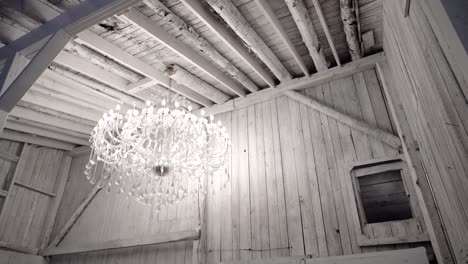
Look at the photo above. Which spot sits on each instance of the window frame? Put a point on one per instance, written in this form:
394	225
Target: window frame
363	229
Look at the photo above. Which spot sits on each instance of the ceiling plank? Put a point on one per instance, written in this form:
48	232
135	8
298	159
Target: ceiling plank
303	21
182	50
323	22
228	11
203	46
274	21
348	17
203	13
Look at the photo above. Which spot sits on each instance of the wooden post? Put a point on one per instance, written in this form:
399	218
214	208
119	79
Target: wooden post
426	200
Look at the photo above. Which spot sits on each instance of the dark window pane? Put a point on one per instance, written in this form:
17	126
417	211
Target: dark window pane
383	197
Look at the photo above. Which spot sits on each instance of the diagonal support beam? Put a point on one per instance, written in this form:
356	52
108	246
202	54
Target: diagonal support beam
72	22
125	243
377	133
71	221
33	70
157	32
11	70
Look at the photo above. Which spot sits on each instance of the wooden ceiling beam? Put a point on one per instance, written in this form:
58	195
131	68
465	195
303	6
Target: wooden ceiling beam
102	90
233	17
185	78
71	22
83	66
23	113
97	59
348	17
201	44
274	21
361	65
229	40
36	140
25	78
303	21
114	52
324	24
29	128
161	35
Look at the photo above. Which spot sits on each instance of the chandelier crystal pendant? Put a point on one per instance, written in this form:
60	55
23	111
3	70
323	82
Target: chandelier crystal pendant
159	155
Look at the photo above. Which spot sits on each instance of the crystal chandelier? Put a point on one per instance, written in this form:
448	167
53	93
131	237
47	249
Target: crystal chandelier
159	155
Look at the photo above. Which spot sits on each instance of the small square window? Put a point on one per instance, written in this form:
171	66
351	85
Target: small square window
382	194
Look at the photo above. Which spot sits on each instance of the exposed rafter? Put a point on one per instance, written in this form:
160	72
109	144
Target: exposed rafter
98	59
229	40
274	21
363	64
202	45
110	50
301	16
158	33
228	11
25	79
72	22
348	17
324	24
43	43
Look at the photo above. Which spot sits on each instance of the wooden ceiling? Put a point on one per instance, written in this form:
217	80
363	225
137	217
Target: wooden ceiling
94	72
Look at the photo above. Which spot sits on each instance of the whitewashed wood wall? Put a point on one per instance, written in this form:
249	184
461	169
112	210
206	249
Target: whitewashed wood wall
30	185
110	216
433	94
289	190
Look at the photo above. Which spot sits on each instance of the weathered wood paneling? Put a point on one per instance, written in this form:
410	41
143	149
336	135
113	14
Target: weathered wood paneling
111	216
289	192
31	192
431	93
9	257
